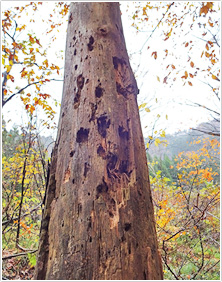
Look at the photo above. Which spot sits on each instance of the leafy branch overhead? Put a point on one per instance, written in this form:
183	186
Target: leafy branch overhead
27	68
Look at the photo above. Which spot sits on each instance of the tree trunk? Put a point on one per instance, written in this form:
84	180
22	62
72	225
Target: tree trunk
98	221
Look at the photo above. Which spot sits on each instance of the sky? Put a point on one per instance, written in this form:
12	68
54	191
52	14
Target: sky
164	100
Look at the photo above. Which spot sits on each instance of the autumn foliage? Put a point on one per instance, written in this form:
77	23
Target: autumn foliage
187	213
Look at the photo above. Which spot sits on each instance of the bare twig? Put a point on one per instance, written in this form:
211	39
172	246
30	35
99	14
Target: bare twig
20	254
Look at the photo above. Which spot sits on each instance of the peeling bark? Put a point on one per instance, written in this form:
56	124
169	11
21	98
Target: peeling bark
98	221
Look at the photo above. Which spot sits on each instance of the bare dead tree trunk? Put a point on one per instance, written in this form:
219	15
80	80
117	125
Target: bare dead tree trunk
98	221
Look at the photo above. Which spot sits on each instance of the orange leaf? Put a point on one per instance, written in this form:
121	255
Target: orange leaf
190	74
5	91
155	55
31	50
173	67
32	108
207	54
186	74
186	44
214	77
191	64
206	8
211	24
190	83
207	47
31	39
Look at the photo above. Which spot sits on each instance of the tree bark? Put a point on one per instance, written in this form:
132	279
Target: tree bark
98	221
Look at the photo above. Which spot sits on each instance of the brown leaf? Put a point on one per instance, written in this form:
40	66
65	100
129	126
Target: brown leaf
165	80
190	74
207	47
206	8
186	44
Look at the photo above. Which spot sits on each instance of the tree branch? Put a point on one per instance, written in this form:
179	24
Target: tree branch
20	254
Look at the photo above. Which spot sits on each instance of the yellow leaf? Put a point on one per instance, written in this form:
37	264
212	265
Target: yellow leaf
163	134
8	68
150	137
147	110
157	142
166	117
147	145
158	78
142	105
11	63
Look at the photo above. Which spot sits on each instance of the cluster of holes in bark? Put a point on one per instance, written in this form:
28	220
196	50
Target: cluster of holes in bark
123	133
99	91
82	135
103	30
112	207
112	169
90	44
86	169
79	209
144	275
101	188
80	84
101	152
124	90
127	226
93	114
103	124
70	18
119	66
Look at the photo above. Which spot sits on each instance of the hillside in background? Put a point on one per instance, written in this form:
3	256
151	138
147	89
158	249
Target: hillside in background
181	141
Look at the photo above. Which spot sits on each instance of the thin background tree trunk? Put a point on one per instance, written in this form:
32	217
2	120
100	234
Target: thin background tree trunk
98	221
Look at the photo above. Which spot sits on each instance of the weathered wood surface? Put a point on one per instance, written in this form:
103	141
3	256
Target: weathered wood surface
98	221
